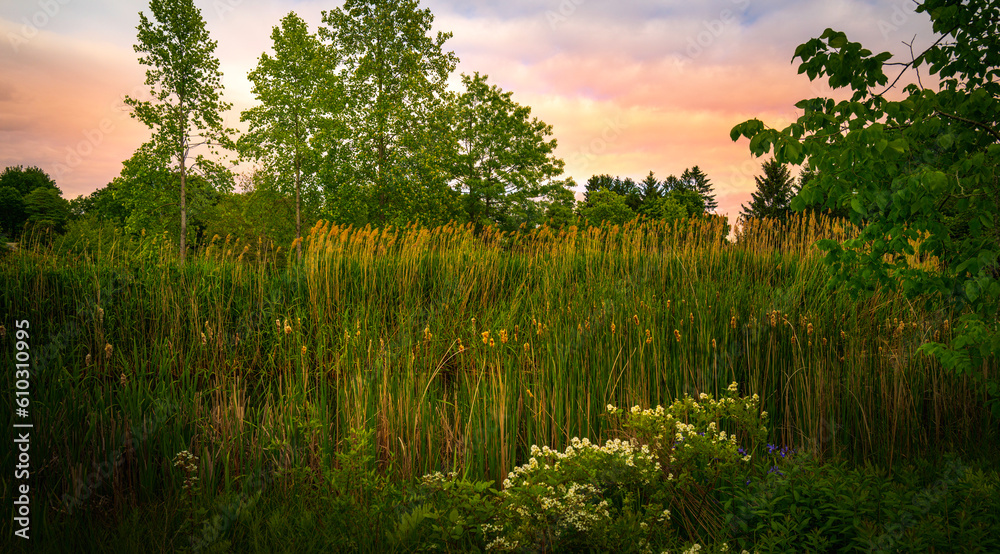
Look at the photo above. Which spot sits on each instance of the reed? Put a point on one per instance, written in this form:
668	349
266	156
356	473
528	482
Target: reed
458	350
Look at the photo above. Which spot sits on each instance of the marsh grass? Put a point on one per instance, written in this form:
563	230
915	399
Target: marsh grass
457	350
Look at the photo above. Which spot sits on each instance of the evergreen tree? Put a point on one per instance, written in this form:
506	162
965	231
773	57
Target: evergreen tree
649	193
774	193
695	179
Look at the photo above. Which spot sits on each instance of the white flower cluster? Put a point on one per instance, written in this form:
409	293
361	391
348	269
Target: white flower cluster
630	454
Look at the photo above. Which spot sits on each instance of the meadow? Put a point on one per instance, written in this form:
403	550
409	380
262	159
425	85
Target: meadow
314	395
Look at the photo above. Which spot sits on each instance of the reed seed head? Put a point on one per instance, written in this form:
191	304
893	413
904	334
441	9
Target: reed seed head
612	328
203	341
527	347
87	360
124	379
503	336
486	337
635	319
732	322
108	349
677	335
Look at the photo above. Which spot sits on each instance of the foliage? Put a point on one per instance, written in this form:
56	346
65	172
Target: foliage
272	364
47	209
919	170
16	185
694	179
392	167
606	206
280	129
186	107
504	158
449	514
773	195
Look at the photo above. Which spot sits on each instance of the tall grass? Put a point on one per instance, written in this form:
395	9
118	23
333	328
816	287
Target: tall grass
458	350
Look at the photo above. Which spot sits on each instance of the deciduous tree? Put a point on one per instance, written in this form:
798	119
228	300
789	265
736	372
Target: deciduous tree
185	84
920	169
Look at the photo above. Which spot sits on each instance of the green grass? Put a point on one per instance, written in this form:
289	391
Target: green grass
387	330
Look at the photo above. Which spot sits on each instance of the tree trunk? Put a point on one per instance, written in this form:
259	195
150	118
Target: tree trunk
298	210
183	209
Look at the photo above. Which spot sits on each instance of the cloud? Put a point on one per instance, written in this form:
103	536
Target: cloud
629	86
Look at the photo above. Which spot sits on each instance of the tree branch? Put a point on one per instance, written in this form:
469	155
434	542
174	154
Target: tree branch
984	126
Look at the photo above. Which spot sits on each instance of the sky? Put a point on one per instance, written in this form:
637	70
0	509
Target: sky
629	86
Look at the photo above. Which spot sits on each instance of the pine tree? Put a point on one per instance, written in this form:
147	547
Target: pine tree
695	179
774	193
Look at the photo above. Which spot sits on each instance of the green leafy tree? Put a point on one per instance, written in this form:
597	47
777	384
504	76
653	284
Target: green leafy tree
668	208
692	202
393	166
560	203
607	207
147	189
46	208
505	157
16	183
918	169
626	188
773	195
287	85
185	84
12	214
25	180
101	205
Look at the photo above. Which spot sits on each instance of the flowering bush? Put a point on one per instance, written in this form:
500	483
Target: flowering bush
623	492
581	497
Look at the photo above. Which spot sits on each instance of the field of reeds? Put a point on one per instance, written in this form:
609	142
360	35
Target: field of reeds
457	350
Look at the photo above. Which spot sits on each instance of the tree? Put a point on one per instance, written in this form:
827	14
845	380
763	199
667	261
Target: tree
280	128
607	206
46	208
649	192
560	203
12	214
185	84
626	188
667	208
25	180
147	189
920	169
696	180
505	158
16	183
773	195
394	163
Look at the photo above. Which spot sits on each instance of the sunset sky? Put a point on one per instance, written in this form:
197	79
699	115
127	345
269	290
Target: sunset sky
629	86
